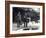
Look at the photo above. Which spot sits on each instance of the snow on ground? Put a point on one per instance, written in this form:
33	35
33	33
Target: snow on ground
30	24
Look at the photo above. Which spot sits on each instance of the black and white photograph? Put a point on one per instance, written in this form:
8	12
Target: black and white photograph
25	18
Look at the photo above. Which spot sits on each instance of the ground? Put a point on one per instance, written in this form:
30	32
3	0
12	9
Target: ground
30	25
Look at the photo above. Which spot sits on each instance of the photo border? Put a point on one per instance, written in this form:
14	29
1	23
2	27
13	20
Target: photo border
25	6
7	18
